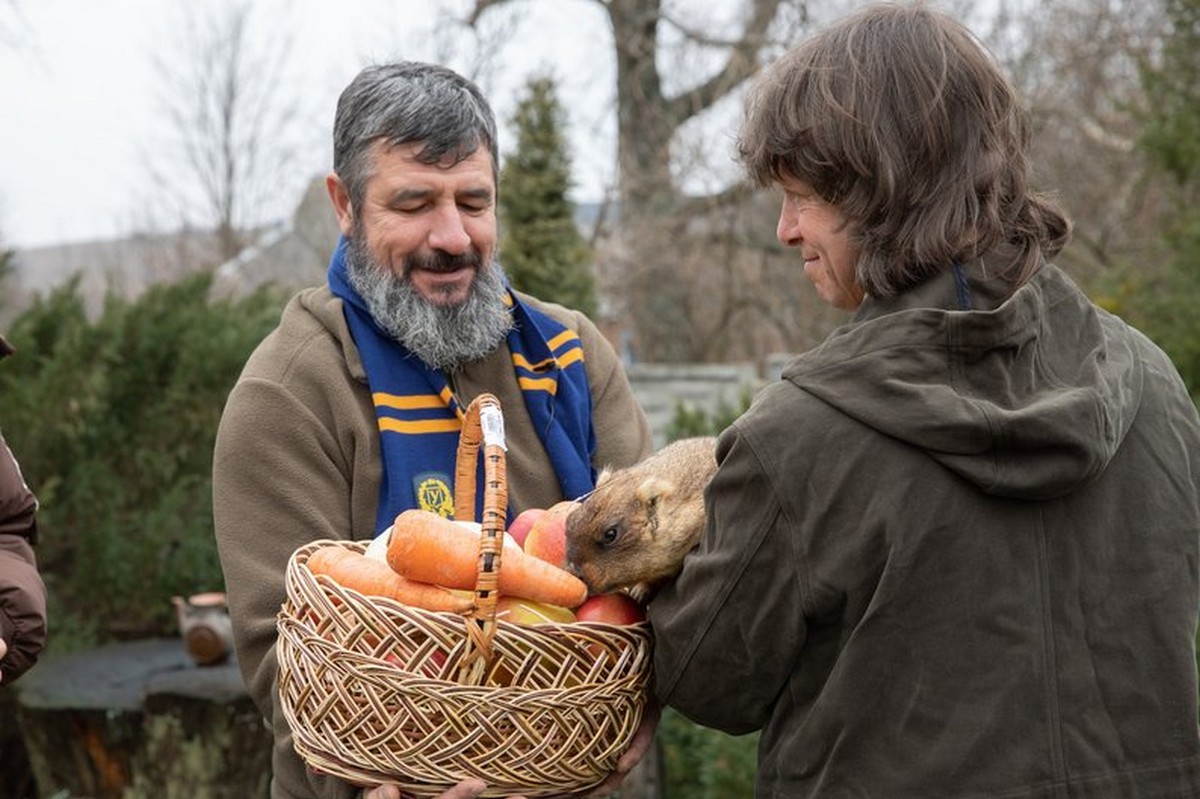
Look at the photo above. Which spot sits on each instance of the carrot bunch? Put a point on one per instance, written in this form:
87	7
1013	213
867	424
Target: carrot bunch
428	555
371	577
429	548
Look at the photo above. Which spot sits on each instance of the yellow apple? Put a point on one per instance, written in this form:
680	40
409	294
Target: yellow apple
525	611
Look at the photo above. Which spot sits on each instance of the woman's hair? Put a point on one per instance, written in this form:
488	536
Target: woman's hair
898	116
405	103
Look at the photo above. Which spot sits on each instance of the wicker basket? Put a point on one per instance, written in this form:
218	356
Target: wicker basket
377	691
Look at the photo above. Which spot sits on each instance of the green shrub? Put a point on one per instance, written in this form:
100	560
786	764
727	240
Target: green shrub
702	763
691	421
543	251
113	422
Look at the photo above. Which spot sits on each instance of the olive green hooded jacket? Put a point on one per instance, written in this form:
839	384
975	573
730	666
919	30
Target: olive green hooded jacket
953	554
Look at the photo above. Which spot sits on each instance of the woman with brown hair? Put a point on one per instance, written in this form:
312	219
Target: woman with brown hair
954	551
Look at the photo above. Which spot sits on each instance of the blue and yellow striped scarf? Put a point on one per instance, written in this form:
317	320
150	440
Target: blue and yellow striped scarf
420	419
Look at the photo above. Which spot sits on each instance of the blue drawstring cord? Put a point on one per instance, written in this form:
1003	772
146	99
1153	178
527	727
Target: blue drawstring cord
962	288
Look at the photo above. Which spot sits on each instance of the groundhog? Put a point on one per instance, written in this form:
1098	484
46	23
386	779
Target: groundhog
633	530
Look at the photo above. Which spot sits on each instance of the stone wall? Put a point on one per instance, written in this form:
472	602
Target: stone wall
663	388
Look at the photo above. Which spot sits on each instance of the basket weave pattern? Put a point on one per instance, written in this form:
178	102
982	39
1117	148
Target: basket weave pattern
377	691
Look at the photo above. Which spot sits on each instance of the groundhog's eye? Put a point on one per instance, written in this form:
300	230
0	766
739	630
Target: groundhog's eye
610	536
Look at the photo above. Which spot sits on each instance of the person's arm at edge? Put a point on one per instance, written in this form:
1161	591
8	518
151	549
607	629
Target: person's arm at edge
22	608
22	591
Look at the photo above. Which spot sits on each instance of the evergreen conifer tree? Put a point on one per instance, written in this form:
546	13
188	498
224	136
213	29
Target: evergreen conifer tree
7	269
542	250
1171	140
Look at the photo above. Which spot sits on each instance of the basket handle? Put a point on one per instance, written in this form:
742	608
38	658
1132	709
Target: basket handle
483	423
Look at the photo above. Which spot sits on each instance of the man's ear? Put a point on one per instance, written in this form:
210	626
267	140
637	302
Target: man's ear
340	198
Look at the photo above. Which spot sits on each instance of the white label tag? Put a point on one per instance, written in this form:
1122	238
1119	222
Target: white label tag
491	421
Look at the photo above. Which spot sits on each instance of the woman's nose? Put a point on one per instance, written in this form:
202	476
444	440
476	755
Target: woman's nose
786	230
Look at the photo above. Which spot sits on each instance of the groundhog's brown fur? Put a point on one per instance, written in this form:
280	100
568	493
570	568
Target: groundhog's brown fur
633	530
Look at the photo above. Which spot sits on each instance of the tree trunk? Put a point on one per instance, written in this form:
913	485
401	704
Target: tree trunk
16	779
139	720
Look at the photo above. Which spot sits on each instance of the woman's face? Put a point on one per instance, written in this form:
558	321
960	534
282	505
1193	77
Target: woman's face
821	234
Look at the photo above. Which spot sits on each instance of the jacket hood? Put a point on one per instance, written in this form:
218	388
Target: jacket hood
1026	396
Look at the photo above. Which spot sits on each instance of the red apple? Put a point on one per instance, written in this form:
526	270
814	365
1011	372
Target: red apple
615	608
547	538
523	522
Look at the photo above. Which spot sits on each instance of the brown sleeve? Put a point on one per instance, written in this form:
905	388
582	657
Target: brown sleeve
18	505
22	607
22	592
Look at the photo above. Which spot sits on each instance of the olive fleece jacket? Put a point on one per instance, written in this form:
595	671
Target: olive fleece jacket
22	592
297	458
953	553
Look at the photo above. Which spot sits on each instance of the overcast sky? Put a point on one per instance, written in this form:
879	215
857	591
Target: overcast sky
82	119
78	88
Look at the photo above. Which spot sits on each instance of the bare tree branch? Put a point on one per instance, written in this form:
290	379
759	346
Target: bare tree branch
678	300
740	64
14	29
232	121
736	193
480	7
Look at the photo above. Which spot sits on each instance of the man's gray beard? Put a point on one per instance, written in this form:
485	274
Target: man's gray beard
444	337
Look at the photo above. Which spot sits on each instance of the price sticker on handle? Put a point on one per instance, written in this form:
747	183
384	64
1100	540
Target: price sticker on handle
491	422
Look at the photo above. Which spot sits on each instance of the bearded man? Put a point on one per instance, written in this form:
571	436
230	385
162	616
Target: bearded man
349	411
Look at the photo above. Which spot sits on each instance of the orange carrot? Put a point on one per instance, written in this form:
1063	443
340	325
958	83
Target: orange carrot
351	569
429	548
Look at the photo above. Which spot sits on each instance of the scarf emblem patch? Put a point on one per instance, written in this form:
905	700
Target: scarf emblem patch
432	490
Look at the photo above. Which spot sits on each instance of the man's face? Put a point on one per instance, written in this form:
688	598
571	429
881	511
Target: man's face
432	225
421	255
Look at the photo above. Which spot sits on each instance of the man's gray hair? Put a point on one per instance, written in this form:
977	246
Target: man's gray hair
405	103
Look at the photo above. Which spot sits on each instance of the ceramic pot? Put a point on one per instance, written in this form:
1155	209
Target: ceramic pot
205	627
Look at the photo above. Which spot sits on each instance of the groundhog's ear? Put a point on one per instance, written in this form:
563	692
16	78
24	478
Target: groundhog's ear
653	489
604	475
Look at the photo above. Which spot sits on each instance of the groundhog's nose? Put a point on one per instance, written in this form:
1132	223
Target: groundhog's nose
582	573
